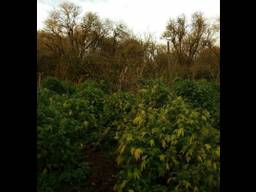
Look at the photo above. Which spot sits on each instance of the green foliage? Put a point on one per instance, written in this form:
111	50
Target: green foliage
91	92
54	181
116	108
166	136
60	141
54	84
201	94
58	86
154	93
172	148
69	87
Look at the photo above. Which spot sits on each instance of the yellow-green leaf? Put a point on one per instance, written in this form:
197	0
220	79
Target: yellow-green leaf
143	165
129	173
218	152
132	150
121	149
152	142
123	185
136	174
129	137
187	184
180	132
119	160
209	163
214	166
207	146
162	157
164	144
191	139
167	166
137	152
204	118
199	158
139	118
196	189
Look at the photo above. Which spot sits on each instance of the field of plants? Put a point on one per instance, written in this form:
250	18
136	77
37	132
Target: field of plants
159	138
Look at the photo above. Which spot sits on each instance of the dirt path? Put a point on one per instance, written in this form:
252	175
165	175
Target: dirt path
103	171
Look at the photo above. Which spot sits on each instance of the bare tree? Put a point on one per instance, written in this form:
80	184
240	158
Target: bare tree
189	39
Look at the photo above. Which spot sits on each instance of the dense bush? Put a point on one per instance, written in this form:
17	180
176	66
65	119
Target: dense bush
116	108
201	94
59	144
65	124
68	119
154	93
58	86
93	93
166	136
172	148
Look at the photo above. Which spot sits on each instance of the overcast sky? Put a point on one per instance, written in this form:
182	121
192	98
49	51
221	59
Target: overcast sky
141	16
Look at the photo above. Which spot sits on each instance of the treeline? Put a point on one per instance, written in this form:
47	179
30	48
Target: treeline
77	48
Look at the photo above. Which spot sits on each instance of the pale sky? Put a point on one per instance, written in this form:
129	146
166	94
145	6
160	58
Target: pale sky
141	16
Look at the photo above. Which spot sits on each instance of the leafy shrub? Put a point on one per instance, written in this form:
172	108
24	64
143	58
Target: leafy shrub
68	119
115	109
105	86
54	84
172	148
166	136
60	154
91	92
69	87
154	93
58	86
83	113
201	94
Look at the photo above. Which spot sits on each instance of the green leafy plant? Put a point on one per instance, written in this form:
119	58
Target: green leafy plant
165	135
58	86
201	94
91	91
60	154
116	107
172	148
154	93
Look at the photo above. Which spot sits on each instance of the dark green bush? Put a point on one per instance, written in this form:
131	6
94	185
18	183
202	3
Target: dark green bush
166	135
54	84
201	94
115	109
58	86
91	92
154	93
60	155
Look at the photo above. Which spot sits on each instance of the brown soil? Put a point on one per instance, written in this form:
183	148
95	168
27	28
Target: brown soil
103	171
